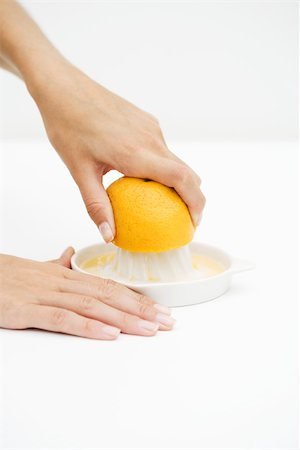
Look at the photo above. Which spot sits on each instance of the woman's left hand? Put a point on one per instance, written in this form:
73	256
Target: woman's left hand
50	296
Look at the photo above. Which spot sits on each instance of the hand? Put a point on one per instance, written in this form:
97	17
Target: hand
94	131
50	296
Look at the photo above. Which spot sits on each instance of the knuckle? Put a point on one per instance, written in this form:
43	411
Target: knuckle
129	152
58	317
64	272
86	303
186	173
142	299
162	147
144	305
153	118
93	207
61	271
181	173
87	325
157	129
152	139
60	286
108	288
144	310
125	320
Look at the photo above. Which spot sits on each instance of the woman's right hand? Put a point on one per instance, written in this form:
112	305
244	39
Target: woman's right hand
95	131
51	296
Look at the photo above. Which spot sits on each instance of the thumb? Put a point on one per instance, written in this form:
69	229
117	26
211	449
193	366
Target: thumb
97	203
65	258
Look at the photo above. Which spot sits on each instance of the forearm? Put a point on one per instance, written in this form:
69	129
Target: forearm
25	50
4	64
92	129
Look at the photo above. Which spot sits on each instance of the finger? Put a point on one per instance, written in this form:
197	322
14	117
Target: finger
64	321
97	202
121	298
187	184
92	280
171	155
65	258
176	175
113	294
91	308
177	159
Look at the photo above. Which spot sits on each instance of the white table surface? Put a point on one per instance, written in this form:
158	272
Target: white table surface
225	377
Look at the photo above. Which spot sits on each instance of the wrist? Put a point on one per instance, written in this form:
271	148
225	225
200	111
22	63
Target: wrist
42	71
53	79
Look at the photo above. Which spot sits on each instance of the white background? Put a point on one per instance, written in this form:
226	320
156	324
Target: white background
226	376
208	70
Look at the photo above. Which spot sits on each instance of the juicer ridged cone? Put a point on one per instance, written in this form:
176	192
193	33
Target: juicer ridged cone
150	267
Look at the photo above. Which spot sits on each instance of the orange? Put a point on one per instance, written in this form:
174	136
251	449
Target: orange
149	216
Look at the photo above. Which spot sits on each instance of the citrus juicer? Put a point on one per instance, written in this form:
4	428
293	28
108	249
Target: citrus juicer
187	291
152	250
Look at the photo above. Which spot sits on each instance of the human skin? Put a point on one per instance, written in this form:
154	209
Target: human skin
93	130
51	296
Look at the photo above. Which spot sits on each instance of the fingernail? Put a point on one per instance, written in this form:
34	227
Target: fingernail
148	326
106	232
111	331
165	320
162	309
197	219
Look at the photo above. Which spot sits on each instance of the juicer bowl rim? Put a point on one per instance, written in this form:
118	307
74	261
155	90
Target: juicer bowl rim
235	265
